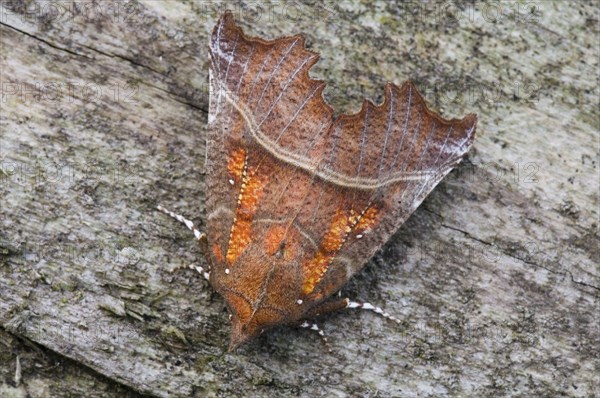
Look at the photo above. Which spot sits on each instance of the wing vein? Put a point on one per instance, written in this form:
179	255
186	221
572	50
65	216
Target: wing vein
409	187
437	174
217	67
244	71
414	140
313	141
443	146
362	143
226	85
267	58
287	83
276	69
387	132
403	131
308	98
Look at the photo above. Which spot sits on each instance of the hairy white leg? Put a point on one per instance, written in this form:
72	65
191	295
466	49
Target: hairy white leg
199	235
371	307
315	328
201	270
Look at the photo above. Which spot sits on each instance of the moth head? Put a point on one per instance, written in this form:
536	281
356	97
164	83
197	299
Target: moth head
241	333
260	286
246	322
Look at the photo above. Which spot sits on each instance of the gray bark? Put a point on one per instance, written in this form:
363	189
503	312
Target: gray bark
496	275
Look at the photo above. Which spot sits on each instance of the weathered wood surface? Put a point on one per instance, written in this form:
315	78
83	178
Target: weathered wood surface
497	274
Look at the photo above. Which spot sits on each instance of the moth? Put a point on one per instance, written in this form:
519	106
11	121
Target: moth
298	200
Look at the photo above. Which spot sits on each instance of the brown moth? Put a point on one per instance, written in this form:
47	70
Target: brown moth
299	200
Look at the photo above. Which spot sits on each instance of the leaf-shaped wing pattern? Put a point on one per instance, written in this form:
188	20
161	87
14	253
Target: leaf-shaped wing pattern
300	197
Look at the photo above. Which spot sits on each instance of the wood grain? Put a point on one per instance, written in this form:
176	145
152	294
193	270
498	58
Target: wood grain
496	275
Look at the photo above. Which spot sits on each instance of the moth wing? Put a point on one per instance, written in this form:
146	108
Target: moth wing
386	159
341	187
260	97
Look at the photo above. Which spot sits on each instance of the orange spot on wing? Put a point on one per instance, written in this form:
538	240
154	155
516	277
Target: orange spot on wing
240	238
218	254
273	239
279	239
248	199
367	221
332	242
343	223
236	163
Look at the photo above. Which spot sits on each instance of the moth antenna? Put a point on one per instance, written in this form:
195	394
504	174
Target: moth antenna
199	235
315	328
371	307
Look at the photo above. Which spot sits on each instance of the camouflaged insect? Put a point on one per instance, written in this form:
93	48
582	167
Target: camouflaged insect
299	200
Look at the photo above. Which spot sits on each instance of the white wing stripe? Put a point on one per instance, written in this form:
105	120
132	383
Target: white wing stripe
312	165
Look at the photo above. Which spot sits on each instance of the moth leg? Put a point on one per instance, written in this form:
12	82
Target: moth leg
371	307
328	306
331	306
200	269
314	327
199	235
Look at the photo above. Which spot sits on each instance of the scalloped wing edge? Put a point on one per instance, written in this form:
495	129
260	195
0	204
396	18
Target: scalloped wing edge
227	20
